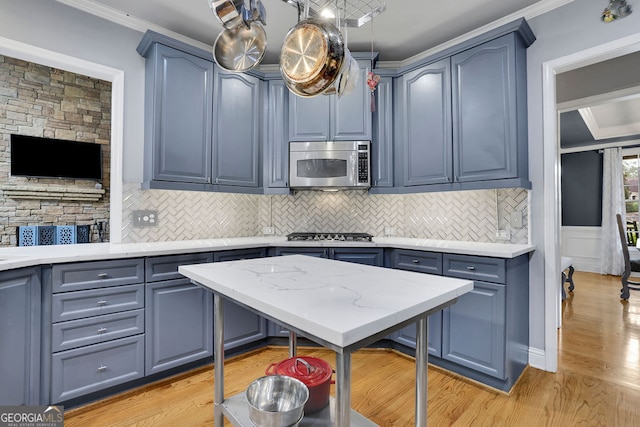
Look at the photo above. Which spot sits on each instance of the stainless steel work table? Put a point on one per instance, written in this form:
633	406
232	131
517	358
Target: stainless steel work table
339	305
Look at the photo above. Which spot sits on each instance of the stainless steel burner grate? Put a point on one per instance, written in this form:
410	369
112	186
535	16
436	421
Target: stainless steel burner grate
341	237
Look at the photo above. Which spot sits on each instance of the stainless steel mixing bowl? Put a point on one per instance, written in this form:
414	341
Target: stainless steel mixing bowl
276	401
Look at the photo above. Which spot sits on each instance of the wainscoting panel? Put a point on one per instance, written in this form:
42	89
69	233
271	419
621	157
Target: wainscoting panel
582	244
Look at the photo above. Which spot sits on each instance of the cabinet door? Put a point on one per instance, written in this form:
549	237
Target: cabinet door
473	330
179	324
277	150
351	113
20	337
182	116
407	335
309	118
367	256
485	115
425	121
236	130
382	138
241	326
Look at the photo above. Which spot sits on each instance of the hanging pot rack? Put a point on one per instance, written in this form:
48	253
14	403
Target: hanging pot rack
353	13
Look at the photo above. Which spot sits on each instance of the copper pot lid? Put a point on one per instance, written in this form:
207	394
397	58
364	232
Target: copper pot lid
304	52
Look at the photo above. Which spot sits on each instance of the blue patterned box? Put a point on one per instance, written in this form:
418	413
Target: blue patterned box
46	235
65	234
27	235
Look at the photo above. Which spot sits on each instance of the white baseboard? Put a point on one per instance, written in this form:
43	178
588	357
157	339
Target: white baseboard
537	358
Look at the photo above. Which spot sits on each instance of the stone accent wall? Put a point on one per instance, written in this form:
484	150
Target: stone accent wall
46	102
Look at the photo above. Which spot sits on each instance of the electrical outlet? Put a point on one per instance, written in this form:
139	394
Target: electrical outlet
389	231
503	234
145	218
268	230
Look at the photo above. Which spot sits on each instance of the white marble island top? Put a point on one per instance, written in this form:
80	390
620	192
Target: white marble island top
341	303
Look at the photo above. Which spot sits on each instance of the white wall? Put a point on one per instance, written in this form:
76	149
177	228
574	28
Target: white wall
569	29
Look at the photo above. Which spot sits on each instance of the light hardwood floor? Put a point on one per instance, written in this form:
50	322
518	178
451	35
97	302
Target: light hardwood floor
597	383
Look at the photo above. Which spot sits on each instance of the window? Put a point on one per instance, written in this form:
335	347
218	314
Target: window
630	167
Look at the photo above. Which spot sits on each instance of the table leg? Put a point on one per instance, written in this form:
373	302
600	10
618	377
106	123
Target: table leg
218	361
422	355
293	344
343	389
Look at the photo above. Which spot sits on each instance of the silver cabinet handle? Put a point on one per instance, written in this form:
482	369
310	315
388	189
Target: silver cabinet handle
102	330
416	261
102	302
470	268
102	368
102	275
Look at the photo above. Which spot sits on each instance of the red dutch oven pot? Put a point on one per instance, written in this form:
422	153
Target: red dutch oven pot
313	372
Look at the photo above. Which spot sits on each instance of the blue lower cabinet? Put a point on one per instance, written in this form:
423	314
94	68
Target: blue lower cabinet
484	335
77	372
20	337
179	324
407	335
474	330
241	326
367	256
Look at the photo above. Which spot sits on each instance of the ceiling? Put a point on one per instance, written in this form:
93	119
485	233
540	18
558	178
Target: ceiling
406	28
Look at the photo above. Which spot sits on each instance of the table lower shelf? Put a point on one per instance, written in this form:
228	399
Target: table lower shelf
235	408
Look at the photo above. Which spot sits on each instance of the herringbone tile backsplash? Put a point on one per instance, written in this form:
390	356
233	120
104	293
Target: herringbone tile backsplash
462	215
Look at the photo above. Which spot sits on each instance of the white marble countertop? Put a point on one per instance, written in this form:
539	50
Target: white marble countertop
338	302
25	256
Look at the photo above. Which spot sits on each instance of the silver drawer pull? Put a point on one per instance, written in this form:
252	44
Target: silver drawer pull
102	330
102	275
102	302
416	261
471	268
102	368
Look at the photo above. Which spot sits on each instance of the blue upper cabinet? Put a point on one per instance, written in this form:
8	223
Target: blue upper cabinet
460	116
237	105
382	138
327	117
489	105
179	90
276	153
309	118
202	125
424	117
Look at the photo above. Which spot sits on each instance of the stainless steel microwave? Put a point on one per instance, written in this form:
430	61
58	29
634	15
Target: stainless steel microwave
330	165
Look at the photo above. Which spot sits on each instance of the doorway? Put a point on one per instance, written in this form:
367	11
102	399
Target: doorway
551	164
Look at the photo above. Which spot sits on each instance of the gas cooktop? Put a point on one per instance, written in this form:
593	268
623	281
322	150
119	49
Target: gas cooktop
342	237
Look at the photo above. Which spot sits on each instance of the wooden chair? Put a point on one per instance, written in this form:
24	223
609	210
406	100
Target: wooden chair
630	264
566	263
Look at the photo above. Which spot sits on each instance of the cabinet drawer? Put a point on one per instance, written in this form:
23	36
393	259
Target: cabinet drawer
166	267
99	274
88	369
422	262
82	332
76	305
475	268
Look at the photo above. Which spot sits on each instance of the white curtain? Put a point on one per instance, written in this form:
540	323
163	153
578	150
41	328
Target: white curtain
612	261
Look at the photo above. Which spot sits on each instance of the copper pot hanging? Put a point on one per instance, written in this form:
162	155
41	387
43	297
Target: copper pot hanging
312	57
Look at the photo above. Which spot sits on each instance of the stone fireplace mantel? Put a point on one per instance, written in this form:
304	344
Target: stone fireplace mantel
52	192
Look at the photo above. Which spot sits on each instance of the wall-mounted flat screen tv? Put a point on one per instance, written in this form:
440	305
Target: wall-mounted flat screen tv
55	158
